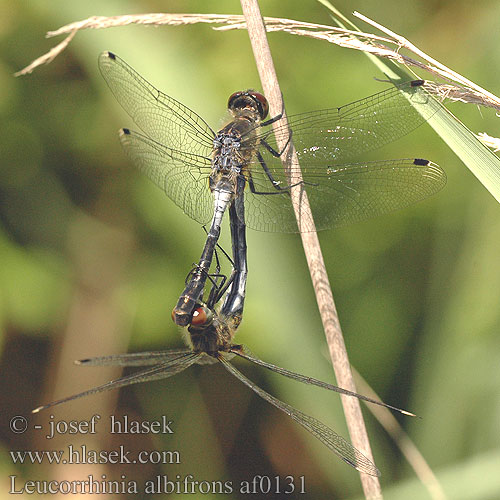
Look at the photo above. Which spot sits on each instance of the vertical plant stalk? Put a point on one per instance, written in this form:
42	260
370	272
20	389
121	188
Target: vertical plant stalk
310	242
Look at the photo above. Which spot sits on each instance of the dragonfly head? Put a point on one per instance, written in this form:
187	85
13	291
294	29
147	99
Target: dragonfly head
249	99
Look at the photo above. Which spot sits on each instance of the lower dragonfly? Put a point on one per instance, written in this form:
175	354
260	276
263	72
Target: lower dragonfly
203	171
210	338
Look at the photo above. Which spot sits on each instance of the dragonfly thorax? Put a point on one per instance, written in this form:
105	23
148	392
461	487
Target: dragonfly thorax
235	145
227	157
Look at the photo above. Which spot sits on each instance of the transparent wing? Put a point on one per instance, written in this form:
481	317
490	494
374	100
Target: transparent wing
326	141
244	352
183	176
135	358
341	195
160	371
340	135
327	436
159	116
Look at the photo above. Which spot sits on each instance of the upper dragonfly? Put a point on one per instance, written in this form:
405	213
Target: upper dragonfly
204	171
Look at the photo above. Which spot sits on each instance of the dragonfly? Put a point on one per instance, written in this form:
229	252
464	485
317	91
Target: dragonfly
210	337
204	171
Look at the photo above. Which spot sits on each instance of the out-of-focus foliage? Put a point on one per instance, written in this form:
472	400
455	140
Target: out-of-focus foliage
93	257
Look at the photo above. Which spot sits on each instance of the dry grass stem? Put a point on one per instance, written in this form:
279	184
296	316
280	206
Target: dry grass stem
312	249
49	56
367	42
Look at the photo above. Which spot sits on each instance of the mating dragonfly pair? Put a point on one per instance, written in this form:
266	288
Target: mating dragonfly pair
239	169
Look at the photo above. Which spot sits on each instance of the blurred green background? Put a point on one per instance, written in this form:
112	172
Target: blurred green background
93	258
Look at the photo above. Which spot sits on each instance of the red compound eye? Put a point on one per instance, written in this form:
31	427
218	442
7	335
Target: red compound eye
263	105
201	316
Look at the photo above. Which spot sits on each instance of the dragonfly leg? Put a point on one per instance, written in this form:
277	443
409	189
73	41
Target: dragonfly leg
275	153
279	189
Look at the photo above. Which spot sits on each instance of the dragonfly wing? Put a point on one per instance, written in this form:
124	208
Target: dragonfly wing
341	194
160	371
327	436
159	116
135	358
272	211
244	352
340	135
183	176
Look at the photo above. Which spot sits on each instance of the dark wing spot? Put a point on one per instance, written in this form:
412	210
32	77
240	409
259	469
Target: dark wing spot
420	161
